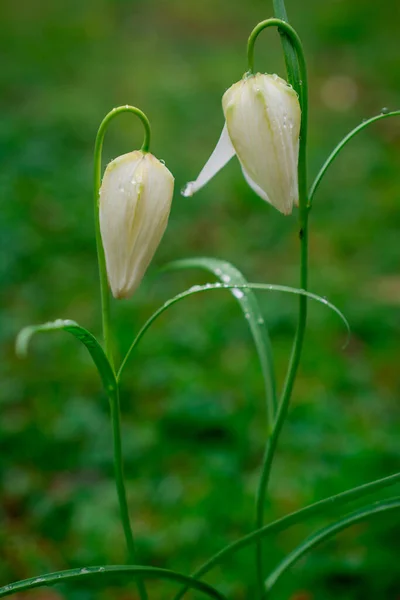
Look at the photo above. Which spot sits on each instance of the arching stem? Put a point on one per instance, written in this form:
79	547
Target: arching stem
106	322
297	75
104	289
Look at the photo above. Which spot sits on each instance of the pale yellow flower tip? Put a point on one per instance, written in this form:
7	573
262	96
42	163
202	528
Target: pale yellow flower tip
134	204
263	117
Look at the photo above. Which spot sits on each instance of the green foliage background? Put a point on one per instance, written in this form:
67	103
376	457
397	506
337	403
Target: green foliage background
192	397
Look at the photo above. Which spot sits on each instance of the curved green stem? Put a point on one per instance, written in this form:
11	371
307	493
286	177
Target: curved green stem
135	572
299	83
327	532
341	145
104	290
298	79
288	51
106	320
225	286
325	507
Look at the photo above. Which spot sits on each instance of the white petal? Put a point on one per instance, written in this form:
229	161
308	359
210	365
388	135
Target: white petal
222	154
256	188
135	201
263	119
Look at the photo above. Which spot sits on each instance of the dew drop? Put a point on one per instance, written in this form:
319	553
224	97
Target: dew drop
385	110
195	288
225	278
162	161
260	321
237	293
83	571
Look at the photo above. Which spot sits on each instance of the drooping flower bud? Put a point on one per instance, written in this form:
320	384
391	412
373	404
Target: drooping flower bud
262	128
135	201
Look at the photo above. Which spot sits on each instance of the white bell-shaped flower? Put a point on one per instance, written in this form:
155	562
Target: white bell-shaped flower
262	127
135	201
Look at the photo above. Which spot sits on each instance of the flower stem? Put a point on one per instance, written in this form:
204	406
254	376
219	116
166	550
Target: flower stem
120	485
104	290
106	322
297	75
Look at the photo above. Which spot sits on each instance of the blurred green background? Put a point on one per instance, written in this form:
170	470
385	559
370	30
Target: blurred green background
192	397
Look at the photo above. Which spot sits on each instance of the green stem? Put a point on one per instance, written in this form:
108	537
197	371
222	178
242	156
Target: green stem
120	484
327	532
106	321
89	572
335	152
322	507
297	74
288	51
104	289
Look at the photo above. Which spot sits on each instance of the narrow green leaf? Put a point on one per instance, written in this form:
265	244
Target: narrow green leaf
196	289
247	300
89	572
327	532
325	507
96	351
336	151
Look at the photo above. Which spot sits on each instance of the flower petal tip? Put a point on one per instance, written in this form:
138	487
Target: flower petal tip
189	189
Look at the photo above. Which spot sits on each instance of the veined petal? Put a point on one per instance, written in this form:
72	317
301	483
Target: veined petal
135	201
263	119
254	186
221	155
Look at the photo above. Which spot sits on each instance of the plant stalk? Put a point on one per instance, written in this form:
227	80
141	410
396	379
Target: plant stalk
106	322
297	75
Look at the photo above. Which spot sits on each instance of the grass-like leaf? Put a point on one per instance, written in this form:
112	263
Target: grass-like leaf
325	507
95	350
135	572
327	532
265	287
336	151
247	300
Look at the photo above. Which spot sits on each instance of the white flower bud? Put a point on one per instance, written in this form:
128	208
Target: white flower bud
262	128
135	201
